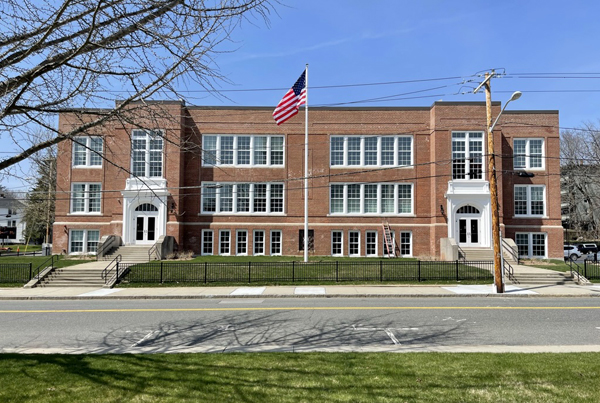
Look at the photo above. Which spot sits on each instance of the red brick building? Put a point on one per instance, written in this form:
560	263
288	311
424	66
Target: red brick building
229	181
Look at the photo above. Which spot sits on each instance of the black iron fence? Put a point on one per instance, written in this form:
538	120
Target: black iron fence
15	272
590	270
291	272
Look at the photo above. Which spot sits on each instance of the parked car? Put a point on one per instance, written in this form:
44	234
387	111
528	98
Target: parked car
572	252
586	248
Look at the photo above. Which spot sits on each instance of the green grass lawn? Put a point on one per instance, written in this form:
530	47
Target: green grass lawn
301	377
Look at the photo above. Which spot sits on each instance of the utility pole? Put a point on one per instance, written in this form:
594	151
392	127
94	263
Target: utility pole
498	280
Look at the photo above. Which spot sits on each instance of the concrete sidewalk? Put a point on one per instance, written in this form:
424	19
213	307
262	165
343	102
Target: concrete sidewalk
329	291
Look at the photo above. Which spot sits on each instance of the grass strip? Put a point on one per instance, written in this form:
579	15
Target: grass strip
301	377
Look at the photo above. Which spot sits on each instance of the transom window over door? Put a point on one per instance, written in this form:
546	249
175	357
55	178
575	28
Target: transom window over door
467	155
147	153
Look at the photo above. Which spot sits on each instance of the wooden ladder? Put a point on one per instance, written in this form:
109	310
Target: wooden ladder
391	247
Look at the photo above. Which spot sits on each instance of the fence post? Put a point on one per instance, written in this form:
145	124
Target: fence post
30	271
161	271
293	271
205	269
117	279
419	271
585	268
457	270
336	271
249	272
381	271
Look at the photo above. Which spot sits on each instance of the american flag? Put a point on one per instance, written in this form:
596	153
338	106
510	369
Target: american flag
291	101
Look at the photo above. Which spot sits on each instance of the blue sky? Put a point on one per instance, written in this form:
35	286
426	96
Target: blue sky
349	42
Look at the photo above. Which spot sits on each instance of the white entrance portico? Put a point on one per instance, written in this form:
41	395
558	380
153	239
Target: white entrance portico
469	214
144	211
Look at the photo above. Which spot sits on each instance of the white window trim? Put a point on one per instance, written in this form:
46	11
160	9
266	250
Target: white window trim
379	152
376	243
222	231
86	199
85	241
379	199
236	242
528	154
271	242
212	244
217	186
254	243
410	254
530	244
529	215
468	155
148	136
341	243
88	152
252	164
357	242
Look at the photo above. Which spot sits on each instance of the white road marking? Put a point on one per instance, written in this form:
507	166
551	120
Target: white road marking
309	290
389	333
248	291
101	292
387	330
146	337
486	289
226	327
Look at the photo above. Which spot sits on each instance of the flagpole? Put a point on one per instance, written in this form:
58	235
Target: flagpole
306	169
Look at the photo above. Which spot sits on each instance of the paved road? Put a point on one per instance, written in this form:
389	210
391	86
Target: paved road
383	324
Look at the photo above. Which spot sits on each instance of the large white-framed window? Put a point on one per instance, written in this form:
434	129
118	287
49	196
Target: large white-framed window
337	243
83	241
242	198
276	242
371	243
241	244
370	151
528	153
87	152
147	153
242	150
371	199
353	243
530	200
86	198
532	244
224	242
467	155
405	244
258	242
207	242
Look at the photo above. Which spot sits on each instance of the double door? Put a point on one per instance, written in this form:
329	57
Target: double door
145	229
468	231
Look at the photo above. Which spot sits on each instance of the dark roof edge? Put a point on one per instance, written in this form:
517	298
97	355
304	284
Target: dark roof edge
529	112
319	108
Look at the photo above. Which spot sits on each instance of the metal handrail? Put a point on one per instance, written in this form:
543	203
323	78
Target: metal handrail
108	269
153	249
43	266
461	252
102	249
579	276
511	251
510	272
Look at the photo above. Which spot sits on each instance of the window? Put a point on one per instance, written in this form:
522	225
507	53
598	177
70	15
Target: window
85	198
528	153
147	153
337	239
87	151
259	242
353	243
249	151
370	151
242	242
311	240
405	243
531	244
83	241
275	242
238	198
529	200
207	242
467	155
371	243
371	199
224	242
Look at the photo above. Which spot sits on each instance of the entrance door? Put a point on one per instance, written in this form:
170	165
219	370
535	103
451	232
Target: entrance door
468	231
145	220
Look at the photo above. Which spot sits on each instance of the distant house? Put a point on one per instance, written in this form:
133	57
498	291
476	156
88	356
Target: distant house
12	225
418	175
